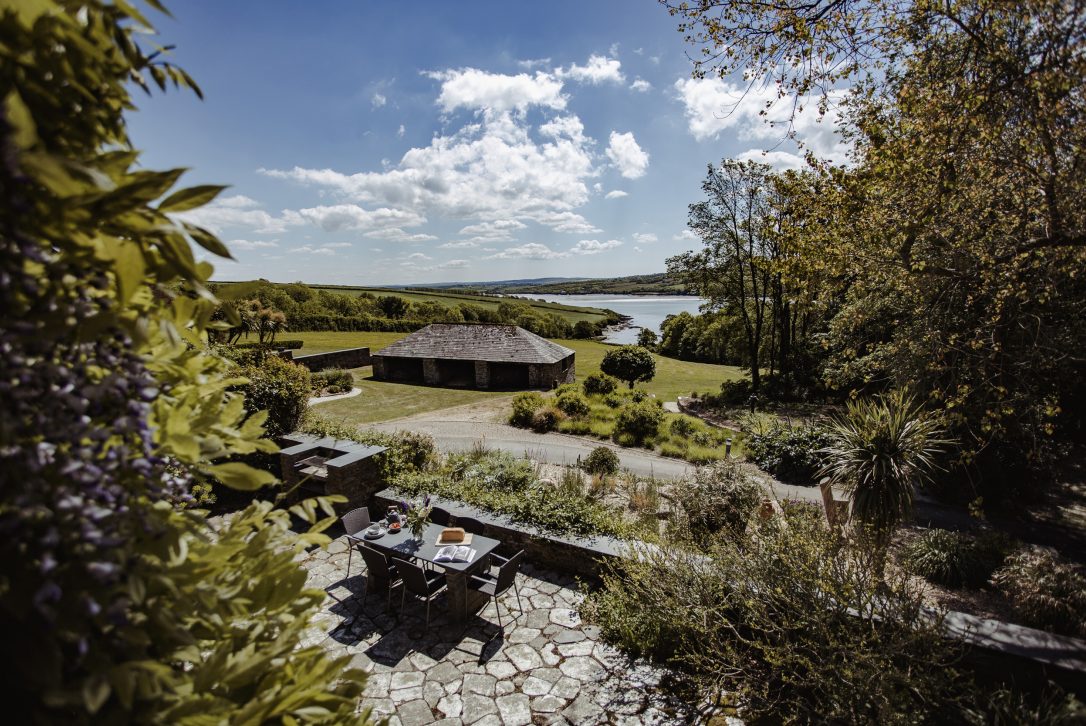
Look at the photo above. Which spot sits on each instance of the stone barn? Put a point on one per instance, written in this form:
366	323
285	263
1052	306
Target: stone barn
467	355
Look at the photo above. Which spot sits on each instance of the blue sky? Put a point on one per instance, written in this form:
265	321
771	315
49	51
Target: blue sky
378	143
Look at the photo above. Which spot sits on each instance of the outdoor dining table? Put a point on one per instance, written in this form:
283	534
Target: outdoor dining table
463	601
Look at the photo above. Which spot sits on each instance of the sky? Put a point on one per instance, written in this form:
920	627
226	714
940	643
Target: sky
378	143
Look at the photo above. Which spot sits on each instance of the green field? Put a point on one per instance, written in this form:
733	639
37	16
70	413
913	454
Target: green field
571	313
381	401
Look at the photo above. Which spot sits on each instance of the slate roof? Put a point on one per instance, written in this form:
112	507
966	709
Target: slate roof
471	341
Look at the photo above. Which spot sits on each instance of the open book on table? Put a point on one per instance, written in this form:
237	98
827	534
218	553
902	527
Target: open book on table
453	553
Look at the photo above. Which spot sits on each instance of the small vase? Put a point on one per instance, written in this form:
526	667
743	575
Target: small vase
417	528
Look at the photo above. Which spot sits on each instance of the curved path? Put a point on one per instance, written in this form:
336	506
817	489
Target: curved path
461	427
552	448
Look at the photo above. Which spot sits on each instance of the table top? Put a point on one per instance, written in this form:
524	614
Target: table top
403	543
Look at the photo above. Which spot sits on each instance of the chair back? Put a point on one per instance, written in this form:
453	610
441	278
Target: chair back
470	525
356	520
440	516
507	573
414	578
376	562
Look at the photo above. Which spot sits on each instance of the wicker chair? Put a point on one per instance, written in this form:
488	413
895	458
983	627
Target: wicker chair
420	583
381	571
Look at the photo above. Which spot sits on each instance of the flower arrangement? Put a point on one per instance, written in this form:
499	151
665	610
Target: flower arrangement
417	514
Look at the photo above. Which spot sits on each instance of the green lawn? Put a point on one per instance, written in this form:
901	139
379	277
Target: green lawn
381	401
571	313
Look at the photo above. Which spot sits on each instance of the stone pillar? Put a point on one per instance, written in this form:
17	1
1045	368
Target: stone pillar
482	374
535	375
429	372
379	369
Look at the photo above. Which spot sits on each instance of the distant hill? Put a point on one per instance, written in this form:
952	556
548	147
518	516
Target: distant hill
656	284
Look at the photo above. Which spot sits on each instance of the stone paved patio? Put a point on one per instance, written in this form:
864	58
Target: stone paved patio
547	668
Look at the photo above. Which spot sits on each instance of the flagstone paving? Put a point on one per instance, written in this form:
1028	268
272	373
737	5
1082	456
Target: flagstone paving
547	668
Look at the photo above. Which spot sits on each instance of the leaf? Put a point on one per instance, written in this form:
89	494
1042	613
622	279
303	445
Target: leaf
19	116
240	476
129	267
208	241
96	692
190	198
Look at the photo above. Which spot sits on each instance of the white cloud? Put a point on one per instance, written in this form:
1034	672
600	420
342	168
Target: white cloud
498	230
336	217
378	100
310	250
640	85
235	211
533	63
644	237
599	69
566	222
419	257
478	90
395	234
630	160
594	247
616	194
453	265
245	244
713	106
337	245
778	159
461	245
686	236
401	131
529	251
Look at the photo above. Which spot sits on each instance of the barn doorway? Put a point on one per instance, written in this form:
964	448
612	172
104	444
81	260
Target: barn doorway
404	370
508	376
456	373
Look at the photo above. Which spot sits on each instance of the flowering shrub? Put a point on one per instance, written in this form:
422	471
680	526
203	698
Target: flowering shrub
120	601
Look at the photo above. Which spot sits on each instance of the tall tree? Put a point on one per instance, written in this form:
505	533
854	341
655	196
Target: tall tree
735	225
959	232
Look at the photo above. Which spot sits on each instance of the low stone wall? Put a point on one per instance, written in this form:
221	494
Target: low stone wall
347	358
995	646
582	556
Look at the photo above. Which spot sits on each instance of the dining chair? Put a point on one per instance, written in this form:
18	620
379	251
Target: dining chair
470	525
420	583
381	571
494	586
354	521
440	516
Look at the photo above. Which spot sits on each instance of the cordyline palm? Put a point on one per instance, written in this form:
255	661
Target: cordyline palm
879	452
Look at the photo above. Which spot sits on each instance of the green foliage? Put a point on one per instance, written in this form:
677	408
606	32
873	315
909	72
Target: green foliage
955	559
614	400
789	452
647	338
683	426
407	451
279	387
573	404
499	483
547	419
122	603
717	501
1045	591
332	380
585	329
599	384
524	407
629	363
601	460
639	420
794	623
879	452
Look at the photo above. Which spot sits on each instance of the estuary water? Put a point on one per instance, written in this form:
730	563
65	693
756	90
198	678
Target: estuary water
645	311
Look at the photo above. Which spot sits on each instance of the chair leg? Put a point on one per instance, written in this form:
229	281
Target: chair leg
350	554
498	610
516	589
403	594
427	613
